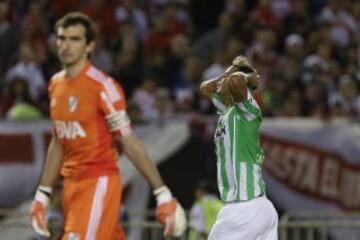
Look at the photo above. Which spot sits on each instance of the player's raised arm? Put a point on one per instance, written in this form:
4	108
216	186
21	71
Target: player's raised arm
208	87
237	85
239	80
211	86
169	212
42	196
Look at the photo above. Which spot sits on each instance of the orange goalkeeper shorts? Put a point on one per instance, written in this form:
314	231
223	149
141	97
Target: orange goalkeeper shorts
92	208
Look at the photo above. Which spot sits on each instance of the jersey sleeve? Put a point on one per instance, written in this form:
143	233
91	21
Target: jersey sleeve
112	101
116	100
249	107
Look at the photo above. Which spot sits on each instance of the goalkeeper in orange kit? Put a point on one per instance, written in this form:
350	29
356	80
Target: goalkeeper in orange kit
88	112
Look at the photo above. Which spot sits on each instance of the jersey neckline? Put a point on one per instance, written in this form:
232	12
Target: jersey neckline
82	72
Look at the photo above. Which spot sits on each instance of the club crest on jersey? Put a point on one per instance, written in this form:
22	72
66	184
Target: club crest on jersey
73	102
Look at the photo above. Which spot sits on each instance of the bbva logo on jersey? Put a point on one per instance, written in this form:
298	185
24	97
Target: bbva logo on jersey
69	129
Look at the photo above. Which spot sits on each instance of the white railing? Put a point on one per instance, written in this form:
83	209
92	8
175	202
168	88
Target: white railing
18	226
293	225
319	225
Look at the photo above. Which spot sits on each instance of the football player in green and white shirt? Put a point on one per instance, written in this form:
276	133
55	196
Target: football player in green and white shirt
248	214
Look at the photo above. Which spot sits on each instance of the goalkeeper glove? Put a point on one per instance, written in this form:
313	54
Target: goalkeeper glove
38	210
169	212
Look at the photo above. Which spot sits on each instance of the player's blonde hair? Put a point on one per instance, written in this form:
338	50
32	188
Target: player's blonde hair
243	64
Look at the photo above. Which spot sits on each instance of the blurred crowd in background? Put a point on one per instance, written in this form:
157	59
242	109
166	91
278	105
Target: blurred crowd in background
306	51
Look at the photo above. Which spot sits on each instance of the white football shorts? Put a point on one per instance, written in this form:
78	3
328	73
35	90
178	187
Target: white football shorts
255	219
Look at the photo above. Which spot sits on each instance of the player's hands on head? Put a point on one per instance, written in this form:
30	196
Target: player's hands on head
242	64
169	212
222	87
38	210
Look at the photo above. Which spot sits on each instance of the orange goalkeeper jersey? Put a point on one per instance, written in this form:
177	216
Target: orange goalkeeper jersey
78	116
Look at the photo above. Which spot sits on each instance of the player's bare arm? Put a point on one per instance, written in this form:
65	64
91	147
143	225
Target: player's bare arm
137	154
241	77
53	163
208	87
168	212
42	197
237	86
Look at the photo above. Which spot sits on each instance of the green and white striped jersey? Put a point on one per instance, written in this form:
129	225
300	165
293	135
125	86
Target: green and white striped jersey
239	154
